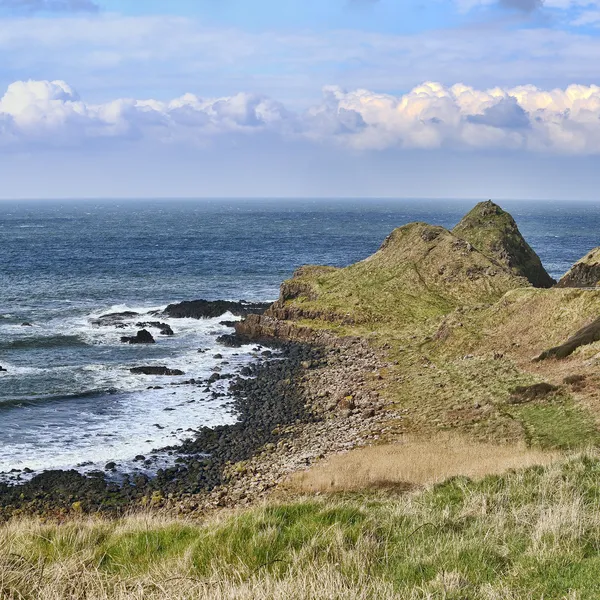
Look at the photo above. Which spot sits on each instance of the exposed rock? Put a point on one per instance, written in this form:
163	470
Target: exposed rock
156	371
577	382
26	324
3	370
528	393
585	336
206	309
230	340
114	319
585	273
494	232
142	337
164	328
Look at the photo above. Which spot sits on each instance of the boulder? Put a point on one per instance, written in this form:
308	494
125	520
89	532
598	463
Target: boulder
585	273
494	232
142	337
3	370
156	371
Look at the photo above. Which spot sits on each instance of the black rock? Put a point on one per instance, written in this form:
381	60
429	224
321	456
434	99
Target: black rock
114	319
26	324
142	337
206	309
230	340
164	328
2	370
155	371
111	466
217	356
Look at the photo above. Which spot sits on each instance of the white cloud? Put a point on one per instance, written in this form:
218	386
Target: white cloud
430	116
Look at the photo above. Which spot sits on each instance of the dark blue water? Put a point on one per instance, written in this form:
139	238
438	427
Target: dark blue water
68	390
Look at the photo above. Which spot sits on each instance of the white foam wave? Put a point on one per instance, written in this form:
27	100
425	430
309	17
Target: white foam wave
136	419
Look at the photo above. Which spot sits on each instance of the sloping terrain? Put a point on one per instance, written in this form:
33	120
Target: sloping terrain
459	331
420	271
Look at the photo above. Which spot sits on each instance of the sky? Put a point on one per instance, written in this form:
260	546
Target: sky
301	98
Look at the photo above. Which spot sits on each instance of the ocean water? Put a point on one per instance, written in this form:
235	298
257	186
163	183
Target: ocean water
68	397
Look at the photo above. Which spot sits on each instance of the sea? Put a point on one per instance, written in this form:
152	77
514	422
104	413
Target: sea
67	397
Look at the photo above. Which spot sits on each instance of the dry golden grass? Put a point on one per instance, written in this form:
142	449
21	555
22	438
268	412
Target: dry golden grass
414	463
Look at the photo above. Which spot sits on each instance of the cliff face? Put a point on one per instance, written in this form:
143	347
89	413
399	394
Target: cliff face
494	232
585	273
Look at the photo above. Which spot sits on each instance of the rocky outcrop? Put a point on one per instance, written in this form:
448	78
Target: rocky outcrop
142	337
585	336
156	371
585	273
3	370
207	309
494	232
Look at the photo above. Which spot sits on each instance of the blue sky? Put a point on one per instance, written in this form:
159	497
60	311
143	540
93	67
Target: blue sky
451	98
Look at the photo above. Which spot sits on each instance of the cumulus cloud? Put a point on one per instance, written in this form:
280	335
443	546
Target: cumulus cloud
430	116
32	6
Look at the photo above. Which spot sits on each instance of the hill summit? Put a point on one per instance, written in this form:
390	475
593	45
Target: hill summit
494	232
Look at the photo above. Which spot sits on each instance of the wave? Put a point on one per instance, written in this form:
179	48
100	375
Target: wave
28	401
52	341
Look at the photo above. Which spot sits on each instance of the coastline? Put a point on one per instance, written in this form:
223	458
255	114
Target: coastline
295	407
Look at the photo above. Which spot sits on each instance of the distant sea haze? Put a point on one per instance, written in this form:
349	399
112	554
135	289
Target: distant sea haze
68	397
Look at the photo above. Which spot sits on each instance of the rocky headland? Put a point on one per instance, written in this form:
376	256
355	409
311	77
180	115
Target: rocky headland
439	330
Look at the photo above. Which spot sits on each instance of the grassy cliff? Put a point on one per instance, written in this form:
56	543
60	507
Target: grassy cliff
420	272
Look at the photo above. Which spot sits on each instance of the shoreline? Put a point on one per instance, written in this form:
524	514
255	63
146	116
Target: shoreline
276	409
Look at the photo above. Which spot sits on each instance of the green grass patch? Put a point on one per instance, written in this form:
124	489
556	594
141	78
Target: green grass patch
561	425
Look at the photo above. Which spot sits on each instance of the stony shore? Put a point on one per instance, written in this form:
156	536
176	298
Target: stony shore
313	398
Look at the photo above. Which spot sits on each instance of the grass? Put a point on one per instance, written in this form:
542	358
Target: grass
531	533
420	272
413	463
561	425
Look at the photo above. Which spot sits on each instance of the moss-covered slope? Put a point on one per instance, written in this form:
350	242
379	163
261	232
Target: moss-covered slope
494	232
585	273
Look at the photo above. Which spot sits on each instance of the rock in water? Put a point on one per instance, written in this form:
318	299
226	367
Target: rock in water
206	309
165	329
2	370
585	273
142	337
156	371
494	232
